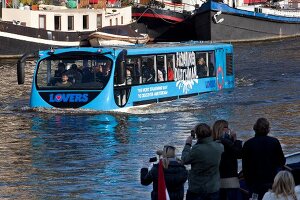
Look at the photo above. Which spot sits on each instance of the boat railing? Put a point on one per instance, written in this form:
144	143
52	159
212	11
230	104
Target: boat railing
286	13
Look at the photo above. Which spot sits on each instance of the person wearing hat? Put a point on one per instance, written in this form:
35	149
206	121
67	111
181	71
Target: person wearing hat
175	175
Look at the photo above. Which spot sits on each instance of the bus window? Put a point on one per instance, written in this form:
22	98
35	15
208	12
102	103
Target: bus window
148	71
161	68
73	73
211	64
133	68
201	64
170	66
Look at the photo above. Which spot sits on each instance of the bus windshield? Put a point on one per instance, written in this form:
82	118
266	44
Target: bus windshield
73	72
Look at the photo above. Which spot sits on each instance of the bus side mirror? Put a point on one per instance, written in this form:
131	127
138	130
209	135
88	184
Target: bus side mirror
121	67
21	67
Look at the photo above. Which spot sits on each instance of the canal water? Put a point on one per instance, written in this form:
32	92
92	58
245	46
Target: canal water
57	154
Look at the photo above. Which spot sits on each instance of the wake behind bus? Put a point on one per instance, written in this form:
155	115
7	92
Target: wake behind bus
116	77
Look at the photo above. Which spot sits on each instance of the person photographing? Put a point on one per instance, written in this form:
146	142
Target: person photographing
174	175
204	158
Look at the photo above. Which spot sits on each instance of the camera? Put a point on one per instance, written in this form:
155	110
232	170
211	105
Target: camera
226	135
153	159
193	134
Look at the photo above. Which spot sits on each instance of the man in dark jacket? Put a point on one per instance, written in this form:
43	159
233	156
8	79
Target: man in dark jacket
174	172
262	158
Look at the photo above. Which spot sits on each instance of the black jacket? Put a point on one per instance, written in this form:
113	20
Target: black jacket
175	177
232	152
262	158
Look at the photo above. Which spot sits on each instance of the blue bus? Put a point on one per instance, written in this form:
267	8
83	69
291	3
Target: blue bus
111	78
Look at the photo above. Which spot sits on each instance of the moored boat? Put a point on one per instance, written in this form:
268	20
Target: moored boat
114	35
166	20
221	22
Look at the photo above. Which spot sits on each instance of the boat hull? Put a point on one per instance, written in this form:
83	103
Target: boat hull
163	25
237	25
16	40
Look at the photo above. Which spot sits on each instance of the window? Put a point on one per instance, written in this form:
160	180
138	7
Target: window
110	22
122	20
161	68
229	64
42	21
74	73
99	21
70	23
133	70
117	21
85	23
57	22
148	70
205	64
170	67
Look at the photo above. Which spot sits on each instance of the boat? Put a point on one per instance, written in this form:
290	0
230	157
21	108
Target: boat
117	78
166	20
238	23
25	30
117	35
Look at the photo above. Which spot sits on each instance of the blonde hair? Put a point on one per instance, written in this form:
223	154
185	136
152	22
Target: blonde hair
168	152
284	185
218	129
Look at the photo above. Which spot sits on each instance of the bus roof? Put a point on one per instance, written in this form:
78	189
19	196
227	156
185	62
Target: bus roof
165	46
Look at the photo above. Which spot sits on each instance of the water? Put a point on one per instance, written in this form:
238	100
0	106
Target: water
74	154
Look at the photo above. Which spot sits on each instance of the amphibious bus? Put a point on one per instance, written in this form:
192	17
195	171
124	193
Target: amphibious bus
114	77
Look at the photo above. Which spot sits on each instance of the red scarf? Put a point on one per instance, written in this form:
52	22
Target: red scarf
162	189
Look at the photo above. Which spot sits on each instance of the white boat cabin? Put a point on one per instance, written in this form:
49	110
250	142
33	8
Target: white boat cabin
59	18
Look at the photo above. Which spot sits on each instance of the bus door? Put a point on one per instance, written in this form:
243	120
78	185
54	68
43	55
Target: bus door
220	68
126	75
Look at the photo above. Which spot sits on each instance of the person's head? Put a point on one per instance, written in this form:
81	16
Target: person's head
261	126
202	130
128	73
64	77
74	66
61	66
219	128
284	184
160	76
167	153
201	61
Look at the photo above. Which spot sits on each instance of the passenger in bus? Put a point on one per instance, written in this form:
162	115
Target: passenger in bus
148	73
170	72
64	82
128	77
201	68
160	76
87	75
61	68
75	74
211	69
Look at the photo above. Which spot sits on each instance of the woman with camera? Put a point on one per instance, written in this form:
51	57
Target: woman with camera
175	175
204	158
229	183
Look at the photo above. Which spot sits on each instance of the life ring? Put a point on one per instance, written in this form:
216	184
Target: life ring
220	78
